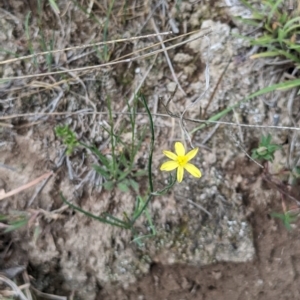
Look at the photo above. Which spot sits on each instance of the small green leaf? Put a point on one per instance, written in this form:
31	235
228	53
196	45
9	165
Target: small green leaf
3	218
247	4
289	23
101	171
16	225
54	6
108	185
102	158
134	184
123	187
278	216
250	22
140	173
68	137
265	150
286	218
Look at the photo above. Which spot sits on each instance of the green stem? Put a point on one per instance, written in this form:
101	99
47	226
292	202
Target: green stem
280	86
117	223
149	161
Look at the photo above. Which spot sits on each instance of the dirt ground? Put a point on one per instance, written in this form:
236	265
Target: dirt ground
62	252
274	273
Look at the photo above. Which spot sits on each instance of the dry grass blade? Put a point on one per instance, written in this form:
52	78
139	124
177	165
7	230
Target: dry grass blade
82	47
47	296
200	207
136	90
112	63
13	286
167	57
207	81
201	121
4	195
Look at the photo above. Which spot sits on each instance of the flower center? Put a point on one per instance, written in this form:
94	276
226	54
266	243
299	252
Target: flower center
182	160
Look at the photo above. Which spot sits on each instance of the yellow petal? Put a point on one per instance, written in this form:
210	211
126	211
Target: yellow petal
169	165
179	149
170	155
193	170
180	172
191	154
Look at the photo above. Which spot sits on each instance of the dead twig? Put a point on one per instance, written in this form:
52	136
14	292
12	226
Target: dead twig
167	56
81	47
4	195
207	80
118	61
47	296
201	121
38	190
17	291
200	207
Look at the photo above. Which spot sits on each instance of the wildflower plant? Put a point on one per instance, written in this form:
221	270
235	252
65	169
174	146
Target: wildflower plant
117	169
287	218
276	38
265	150
110	167
68	137
180	161
278	27
14	221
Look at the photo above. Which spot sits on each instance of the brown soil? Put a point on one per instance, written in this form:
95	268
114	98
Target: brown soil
274	274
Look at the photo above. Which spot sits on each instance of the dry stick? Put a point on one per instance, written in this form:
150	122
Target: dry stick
266	178
17	21
149	17
27	285
87	99
167	57
106	64
290	103
69	167
239	127
13	286
4	195
238	142
81	55
47	296
124	40
88	112
38	190
89	9
211	133
83	46
136	91
200	207
37	84
215	89
155	107
6	125
199	98
245	152
51	107
172	22
292	144
271	82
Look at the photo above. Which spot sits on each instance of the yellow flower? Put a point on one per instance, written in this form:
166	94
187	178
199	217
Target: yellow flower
180	161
